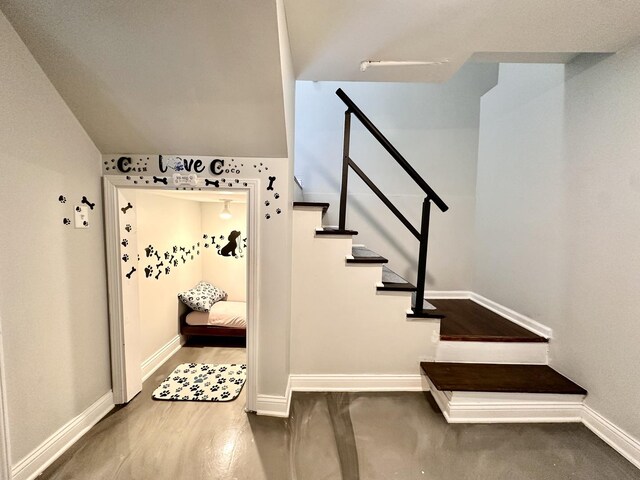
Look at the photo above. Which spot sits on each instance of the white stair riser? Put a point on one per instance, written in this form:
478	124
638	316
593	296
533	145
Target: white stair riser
493	407
492	352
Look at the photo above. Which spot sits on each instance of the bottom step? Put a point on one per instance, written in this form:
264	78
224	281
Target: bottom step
488	393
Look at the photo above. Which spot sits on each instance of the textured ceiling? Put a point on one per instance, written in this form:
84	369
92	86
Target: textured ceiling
163	76
330	38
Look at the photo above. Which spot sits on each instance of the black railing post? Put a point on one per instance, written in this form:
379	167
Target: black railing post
345	170
422	256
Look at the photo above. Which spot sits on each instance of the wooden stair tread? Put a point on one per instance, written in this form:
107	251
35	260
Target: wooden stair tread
507	378
468	321
335	231
324	206
392	282
426	313
364	255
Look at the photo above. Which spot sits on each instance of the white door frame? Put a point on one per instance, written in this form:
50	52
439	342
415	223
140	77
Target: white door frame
5	451
111	184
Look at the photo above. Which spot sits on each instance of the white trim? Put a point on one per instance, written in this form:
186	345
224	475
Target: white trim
164	353
356	383
614	436
511	315
253	289
274	405
48	452
114	290
116	318
517	318
5	445
461	407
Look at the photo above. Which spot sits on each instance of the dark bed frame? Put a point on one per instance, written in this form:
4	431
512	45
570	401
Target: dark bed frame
209	331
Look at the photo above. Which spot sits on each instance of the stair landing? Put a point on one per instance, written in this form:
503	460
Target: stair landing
465	320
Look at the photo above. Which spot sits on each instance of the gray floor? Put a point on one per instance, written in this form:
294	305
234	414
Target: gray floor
329	436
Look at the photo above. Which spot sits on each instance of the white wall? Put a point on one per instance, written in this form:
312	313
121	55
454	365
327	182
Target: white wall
52	282
520	193
557	209
435	127
340	324
164	222
228	273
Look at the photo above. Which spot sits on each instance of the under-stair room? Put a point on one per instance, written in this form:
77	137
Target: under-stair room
189	250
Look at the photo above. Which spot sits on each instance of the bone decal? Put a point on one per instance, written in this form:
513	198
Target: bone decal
158	274
271	180
87	202
160	180
124	209
159	265
133	269
215	183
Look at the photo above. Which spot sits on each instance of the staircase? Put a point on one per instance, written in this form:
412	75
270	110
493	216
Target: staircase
484	368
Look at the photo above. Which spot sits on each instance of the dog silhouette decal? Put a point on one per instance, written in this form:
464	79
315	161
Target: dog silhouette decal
229	250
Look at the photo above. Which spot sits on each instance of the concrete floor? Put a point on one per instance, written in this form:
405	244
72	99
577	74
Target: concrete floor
347	436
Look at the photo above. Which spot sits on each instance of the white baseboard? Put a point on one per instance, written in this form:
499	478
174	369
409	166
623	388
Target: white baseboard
155	361
279	406
356	383
615	437
522	320
48	452
273	405
515	317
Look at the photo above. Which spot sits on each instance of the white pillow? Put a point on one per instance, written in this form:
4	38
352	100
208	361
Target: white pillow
202	296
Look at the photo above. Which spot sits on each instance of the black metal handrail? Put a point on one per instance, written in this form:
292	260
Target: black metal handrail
368	124
423	234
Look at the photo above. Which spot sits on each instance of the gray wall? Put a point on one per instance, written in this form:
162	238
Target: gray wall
435	127
52	276
557	217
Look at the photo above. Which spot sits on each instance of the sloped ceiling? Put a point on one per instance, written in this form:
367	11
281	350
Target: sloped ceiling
163	76
330	38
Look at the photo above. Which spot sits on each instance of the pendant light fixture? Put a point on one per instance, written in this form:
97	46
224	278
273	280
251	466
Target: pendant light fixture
225	214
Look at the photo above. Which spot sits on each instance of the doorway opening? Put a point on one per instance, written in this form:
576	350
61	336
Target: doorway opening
182	286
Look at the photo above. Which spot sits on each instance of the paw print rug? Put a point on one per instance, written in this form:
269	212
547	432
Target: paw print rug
204	382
